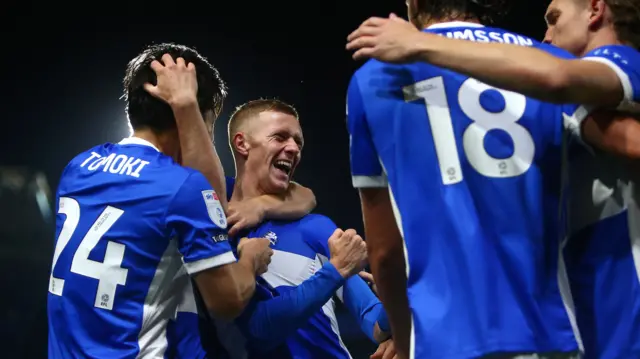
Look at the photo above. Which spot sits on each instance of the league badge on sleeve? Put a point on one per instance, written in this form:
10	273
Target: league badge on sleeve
214	208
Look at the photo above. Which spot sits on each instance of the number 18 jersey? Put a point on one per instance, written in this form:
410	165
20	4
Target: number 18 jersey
128	219
475	178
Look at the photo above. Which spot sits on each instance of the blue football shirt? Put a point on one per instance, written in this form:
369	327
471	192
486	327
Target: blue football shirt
128	219
475	178
603	250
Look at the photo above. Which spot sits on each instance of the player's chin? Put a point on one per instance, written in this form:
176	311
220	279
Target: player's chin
278	185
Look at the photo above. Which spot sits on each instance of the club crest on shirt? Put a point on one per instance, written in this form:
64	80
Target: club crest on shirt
272	237
214	208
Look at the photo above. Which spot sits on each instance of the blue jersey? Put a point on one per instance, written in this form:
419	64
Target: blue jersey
128	218
300	250
474	174
602	253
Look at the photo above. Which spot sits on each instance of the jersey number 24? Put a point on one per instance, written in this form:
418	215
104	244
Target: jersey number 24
109	273
432	91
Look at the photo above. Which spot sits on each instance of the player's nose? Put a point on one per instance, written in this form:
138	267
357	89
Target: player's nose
547	36
291	147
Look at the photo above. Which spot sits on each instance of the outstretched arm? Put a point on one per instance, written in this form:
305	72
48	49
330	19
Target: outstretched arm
522	69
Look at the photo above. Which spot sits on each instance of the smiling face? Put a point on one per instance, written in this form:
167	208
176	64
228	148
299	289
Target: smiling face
273	150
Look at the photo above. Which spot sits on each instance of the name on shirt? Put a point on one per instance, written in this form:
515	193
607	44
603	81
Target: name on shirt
480	35
115	163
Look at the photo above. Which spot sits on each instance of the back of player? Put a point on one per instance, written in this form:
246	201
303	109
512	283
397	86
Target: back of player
126	215
474	172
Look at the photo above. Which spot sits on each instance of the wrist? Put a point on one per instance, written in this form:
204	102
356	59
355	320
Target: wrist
247	262
344	272
423	46
181	105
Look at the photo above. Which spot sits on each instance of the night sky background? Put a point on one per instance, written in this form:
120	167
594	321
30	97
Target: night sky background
61	72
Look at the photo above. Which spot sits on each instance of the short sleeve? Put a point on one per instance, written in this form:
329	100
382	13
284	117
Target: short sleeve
316	230
366	170
625	61
197	219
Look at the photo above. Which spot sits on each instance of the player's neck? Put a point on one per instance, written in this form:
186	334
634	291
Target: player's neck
433	21
245	187
166	142
602	37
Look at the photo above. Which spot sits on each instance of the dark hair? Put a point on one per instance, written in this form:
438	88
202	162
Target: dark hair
487	11
145	110
254	108
626	20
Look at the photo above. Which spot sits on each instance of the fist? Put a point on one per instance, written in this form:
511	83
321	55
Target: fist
348	252
258	251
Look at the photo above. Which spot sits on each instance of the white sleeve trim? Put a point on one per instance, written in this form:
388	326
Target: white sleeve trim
369	181
208	263
624	78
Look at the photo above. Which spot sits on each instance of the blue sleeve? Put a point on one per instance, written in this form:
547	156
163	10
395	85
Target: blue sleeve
366	170
364	306
267	323
231	182
625	61
316	230
197	219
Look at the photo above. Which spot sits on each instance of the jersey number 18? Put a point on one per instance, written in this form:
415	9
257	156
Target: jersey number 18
432	91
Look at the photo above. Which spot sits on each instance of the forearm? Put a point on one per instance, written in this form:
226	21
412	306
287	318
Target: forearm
290	310
525	70
197	149
298	202
618	134
227	290
363	305
389	273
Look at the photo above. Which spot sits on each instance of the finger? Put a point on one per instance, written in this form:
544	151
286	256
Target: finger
374	21
151	89
156	66
167	60
233	218
366	276
361	42
364	31
180	62
393	16
233	231
378	353
389	353
191	67
363	54
350	233
337	233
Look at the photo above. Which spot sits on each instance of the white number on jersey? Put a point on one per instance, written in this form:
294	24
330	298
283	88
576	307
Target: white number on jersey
432	91
109	273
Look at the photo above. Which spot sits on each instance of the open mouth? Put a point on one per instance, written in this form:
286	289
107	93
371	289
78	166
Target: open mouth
284	166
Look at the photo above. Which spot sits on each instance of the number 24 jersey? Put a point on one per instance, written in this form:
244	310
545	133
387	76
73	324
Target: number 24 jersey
128	219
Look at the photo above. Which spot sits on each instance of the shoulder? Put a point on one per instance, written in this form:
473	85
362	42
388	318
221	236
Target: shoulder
316	221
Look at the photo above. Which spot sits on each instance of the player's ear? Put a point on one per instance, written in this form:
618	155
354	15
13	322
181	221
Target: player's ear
596	12
240	144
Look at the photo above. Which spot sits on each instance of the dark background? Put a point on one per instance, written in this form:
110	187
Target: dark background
60	79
